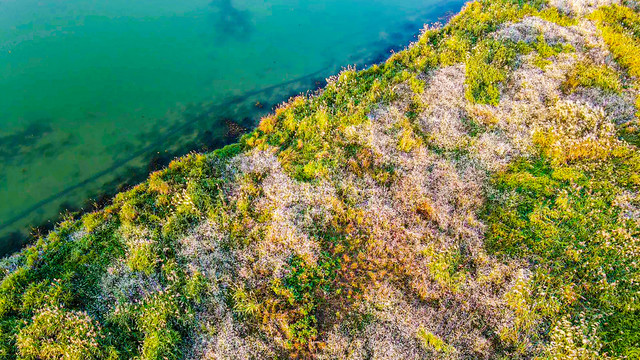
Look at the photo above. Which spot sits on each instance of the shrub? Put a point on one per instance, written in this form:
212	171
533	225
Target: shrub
454	50
619	26
196	287
11	289
486	69
158	319
587	74
553	15
57	333
546	51
40	295
565	221
433	342
142	257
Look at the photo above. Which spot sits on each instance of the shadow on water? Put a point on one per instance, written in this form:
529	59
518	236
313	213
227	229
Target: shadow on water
231	22
35	141
21	142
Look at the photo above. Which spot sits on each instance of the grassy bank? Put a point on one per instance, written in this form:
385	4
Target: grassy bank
475	196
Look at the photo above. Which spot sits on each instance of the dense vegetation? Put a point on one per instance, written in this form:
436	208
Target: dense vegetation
475	196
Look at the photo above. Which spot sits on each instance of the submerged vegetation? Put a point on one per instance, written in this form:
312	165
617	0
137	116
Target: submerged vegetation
475	196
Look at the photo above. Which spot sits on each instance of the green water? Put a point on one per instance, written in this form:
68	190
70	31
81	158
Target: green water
94	94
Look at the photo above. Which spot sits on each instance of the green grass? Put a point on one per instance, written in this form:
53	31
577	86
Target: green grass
620	29
565	222
487	68
590	75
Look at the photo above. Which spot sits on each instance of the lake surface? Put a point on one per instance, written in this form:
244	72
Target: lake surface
95	94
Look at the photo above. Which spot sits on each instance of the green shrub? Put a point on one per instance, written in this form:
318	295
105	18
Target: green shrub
479	18
299	297
563	220
487	68
454	50
619	26
589	75
196	287
56	333
553	15
546	51
433	342
11	290
158	321
622	335
45	293
142	257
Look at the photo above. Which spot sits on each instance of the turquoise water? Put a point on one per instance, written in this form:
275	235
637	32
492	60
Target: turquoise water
95	94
